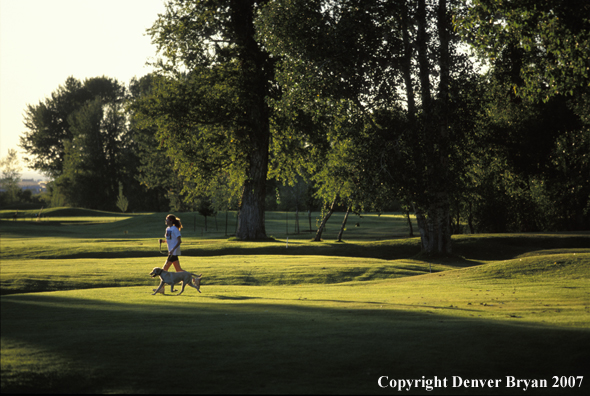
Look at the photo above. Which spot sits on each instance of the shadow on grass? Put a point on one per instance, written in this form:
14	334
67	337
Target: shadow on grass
508	246
467	249
453	260
235	298
93	346
387	251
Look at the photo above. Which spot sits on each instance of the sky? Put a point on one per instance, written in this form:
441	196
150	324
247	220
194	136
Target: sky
43	42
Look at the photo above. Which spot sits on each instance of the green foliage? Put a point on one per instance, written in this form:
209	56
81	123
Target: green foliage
359	103
535	160
10	177
297	196
205	209
341	66
155	171
549	42
122	201
48	127
209	103
79	136
49	123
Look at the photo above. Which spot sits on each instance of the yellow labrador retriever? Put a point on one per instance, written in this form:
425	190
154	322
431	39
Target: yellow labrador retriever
171	278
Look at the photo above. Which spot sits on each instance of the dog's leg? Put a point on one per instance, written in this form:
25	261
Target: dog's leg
181	290
191	285
174	282
159	287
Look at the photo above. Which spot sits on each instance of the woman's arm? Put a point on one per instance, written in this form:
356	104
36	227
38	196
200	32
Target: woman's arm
177	245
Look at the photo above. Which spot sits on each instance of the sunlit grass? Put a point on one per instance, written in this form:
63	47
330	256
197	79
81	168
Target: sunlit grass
255	270
278	224
277	317
336	336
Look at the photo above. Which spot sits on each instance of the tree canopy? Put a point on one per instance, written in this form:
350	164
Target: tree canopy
210	100
547	42
79	137
364	103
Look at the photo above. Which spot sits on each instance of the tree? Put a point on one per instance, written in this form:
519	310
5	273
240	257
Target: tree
86	179
122	201
532	175
538	100
81	136
549	40
48	124
48	127
93	166
380	57
205	209
158	181
347	176
11	169
210	102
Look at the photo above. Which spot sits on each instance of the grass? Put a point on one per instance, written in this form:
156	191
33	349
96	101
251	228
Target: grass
278	224
78	316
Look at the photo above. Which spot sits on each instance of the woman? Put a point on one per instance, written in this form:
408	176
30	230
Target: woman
173	240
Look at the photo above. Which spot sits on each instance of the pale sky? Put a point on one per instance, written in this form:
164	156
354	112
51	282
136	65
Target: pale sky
43	42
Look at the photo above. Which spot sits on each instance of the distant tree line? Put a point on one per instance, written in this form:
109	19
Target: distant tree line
476	118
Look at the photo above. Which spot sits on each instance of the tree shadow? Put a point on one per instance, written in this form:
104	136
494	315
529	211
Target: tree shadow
275	347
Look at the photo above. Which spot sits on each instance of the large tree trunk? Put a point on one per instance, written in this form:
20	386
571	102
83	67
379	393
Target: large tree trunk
435	224
423	64
406	66
435	227
251	219
443	207
255	66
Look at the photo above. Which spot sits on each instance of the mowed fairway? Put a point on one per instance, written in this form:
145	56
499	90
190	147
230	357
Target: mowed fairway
78	314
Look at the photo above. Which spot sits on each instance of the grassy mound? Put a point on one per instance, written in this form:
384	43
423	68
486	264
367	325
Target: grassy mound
563	265
78	315
59	212
338	337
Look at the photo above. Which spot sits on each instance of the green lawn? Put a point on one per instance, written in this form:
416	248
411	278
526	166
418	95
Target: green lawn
78	314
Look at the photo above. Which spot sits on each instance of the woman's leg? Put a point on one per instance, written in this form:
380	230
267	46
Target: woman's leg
167	265
177	266
173	260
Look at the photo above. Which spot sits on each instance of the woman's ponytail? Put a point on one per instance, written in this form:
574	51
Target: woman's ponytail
175	220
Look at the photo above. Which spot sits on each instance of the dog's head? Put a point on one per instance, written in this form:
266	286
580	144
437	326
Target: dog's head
156	272
197	282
